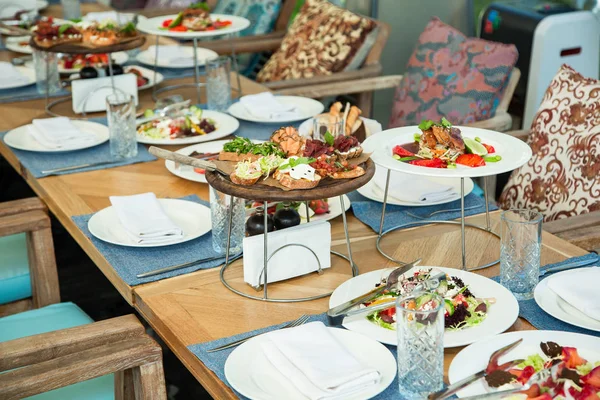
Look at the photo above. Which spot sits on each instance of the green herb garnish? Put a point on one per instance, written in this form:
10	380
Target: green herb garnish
329	139
128	28
244	145
426	124
200	6
63	28
445	123
294	162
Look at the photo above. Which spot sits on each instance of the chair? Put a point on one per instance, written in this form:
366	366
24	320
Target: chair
55	350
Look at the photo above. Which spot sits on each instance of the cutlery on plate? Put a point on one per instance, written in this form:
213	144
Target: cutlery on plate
163	112
572	265
18	61
186	160
301	320
336	314
16	30
439	212
51	171
187	264
492	366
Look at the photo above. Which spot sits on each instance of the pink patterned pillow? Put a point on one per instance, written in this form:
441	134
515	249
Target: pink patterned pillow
454	76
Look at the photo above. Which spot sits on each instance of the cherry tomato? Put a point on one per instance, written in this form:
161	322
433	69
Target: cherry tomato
221	24
470	160
401	151
200	171
179	28
490	149
166	23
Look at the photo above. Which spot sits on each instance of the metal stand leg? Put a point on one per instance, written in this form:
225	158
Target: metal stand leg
266	253
112	76
236	68
354	268
462	223
229	228
385	195
196	72
307	212
155	67
487	206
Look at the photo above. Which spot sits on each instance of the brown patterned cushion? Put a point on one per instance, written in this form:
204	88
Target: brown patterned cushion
323	39
562	178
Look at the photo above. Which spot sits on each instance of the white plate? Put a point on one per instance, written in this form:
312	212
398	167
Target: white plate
119	57
372	192
335	210
152	26
192	217
13	43
146	73
475	357
308	108
551	303
147	57
28	73
514	152
501	315
249	371
225	125
19	138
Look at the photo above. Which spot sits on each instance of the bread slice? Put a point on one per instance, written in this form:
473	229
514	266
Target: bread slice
353	173
286	180
352	153
47	43
242	181
237	157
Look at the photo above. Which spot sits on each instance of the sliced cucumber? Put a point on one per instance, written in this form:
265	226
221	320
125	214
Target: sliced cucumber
448	306
421	300
475	147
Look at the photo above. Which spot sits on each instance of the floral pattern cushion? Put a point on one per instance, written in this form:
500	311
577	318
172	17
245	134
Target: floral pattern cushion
454	76
562	179
322	40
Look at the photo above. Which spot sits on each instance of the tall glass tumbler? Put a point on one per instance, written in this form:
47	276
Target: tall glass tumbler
520	247
120	112
47	78
420	329
218	83
219	211
327	123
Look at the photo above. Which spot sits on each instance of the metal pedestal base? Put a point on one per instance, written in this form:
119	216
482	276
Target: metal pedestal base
462	224
265	296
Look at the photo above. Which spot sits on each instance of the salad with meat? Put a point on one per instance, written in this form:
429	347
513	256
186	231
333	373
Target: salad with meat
187	123
461	308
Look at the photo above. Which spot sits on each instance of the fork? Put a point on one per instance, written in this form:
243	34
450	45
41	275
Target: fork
439	212
297	322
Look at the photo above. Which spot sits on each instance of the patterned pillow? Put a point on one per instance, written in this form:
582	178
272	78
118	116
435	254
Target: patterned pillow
454	76
562	178
322	40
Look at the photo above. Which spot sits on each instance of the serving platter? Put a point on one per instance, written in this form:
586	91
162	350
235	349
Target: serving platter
79	48
152	26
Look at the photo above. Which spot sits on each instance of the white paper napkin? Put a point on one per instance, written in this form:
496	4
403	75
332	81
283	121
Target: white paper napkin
293	260
266	106
59	133
579	288
120	18
144	219
316	363
411	188
172	55
9	75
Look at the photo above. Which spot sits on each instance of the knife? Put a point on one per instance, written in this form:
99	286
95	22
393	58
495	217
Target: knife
565	267
186	160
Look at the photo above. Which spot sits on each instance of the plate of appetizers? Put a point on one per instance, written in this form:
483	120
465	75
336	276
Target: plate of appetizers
318	210
193	22
476	307
144	76
186	126
442	150
74	63
19	44
573	361
302	107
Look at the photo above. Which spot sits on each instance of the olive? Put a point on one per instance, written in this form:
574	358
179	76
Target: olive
116	70
88	73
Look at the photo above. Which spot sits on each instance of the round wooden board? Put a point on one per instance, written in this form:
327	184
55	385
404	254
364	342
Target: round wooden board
78	48
327	187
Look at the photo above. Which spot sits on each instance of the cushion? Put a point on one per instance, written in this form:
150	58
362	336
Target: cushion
261	13
51	318
561	179
15	283
322	40
454	76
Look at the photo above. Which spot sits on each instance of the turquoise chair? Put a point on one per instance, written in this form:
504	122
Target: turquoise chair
55	350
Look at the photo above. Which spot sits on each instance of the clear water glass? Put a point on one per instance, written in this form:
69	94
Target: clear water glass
71	9
420	347
327	123
520	248
218	83
46	71
219	211
120	112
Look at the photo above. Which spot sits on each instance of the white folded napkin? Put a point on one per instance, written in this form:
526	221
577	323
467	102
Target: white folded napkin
316	363
411	188
293	260
173	55
266	106
10	75
59	133
579	288
120	18
144	219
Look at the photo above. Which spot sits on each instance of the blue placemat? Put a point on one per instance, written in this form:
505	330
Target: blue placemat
256	131
130	261
530	311
26	93
36	162
369	211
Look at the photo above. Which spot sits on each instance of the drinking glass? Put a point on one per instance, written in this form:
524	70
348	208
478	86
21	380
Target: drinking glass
71	9
219	211
420	345
327	123
520	246
46	71
120	112
218	83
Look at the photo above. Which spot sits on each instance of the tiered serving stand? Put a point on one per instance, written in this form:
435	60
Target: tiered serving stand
327	188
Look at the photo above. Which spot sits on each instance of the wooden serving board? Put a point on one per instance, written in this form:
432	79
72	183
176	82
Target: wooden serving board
327	187
80	48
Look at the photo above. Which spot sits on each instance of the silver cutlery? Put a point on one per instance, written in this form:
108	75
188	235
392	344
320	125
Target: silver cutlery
51	171
186	160
301	320
439	212
492	365
184	265
565	267
336	314
18	61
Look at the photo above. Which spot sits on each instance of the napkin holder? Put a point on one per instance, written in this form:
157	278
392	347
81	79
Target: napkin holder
292	252
89	95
